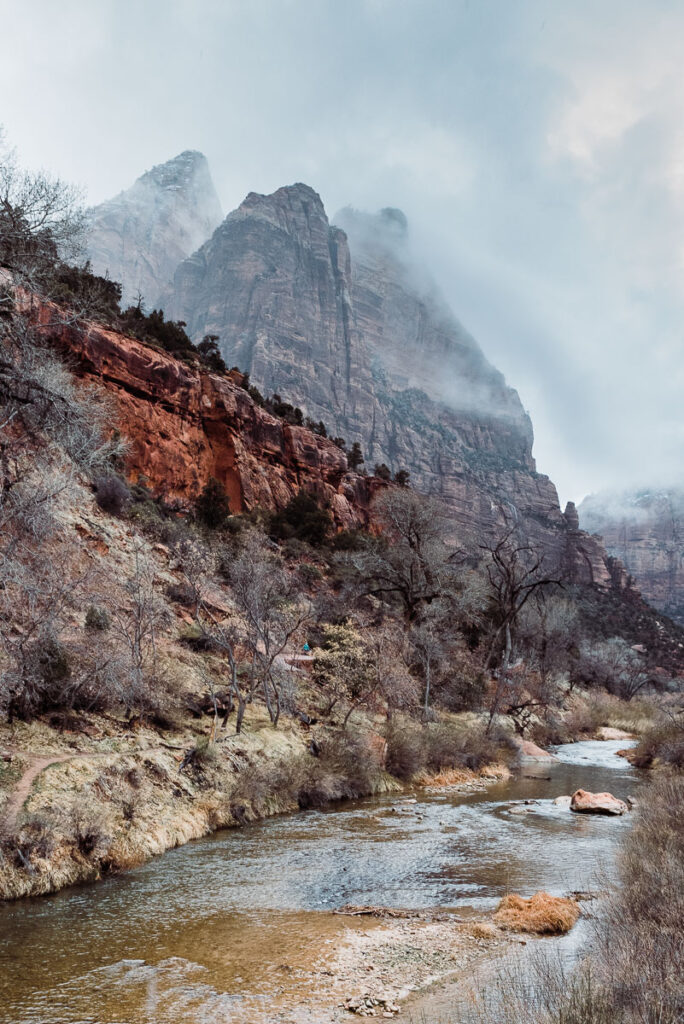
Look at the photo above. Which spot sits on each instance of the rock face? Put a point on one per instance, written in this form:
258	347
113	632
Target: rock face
584	802
645	530
186	425
343	324
141	235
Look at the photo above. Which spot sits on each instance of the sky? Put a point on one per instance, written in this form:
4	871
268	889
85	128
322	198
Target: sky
536	148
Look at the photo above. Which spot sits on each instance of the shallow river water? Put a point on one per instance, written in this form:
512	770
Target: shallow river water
208	932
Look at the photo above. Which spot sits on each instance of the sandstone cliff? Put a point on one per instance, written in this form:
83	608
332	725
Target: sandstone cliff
343	323
141	235
186	425
645	530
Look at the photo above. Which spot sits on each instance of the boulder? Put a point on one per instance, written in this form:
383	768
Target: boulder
583	802
529	751
562	801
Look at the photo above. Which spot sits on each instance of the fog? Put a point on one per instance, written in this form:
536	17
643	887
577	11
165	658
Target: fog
536	148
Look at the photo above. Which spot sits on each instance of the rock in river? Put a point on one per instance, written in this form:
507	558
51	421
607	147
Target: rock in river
596	803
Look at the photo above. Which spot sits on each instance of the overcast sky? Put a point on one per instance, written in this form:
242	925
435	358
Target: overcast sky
536	147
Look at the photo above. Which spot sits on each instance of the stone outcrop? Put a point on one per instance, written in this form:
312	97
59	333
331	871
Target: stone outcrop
140	236
345	325
645	530
186	425
584	802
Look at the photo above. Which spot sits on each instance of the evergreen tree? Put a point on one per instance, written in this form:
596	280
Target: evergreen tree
212	507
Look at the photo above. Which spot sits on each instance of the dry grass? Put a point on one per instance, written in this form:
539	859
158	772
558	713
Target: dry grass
483	930
542	914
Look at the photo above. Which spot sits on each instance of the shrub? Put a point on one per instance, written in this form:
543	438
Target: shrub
169	335
406	753
348	540
210	354
663	743
182	593
90	829
355	456
309	574
302	519
112	494
97	618
382	471
212	508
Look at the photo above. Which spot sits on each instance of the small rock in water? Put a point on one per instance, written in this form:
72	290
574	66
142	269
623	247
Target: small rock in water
562	801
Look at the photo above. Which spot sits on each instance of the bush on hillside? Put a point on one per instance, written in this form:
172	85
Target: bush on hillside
302	519
212	508
112	494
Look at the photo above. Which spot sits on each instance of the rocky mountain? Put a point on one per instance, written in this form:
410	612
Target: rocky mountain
342	322
141	235
645	530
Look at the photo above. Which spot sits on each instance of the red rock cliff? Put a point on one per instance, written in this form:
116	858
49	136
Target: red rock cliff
186	425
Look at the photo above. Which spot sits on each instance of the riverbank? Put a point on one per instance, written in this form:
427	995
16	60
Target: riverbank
251	925
78	807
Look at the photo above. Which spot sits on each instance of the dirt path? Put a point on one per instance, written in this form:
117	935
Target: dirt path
23	786
38	763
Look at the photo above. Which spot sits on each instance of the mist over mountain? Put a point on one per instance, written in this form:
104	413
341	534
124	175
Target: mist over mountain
343	324
140	236
645	529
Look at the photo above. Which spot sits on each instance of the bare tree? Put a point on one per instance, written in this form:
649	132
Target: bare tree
41	221
428	653
272	611
410	562
515	571
614	665
137	624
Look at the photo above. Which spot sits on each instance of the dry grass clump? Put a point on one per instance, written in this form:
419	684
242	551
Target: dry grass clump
663	743
483	930
542	914
446	750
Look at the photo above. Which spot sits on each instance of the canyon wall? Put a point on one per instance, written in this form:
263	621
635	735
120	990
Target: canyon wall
645	530
341	322
186	425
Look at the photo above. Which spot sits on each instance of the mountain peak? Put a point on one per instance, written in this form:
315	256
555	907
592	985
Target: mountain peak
140	236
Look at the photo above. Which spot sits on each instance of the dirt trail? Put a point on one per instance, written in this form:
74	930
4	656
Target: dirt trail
22	789
23	786
38	763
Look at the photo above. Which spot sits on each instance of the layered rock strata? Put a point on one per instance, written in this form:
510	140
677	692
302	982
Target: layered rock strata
186	425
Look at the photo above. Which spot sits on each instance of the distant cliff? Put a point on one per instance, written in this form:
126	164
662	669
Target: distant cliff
645	530
140	236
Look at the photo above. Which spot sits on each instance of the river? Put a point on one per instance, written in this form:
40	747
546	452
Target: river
223	930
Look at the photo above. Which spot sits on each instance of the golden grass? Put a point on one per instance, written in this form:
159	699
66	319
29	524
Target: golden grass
460	776
542	914
483	930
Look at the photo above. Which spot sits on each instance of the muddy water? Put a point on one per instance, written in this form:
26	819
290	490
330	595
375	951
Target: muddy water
231	928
